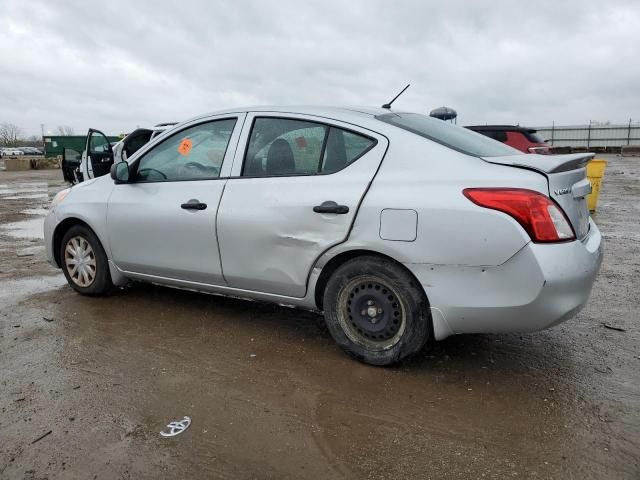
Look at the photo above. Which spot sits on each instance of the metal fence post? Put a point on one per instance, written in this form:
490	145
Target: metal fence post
629	133
553	126
589	135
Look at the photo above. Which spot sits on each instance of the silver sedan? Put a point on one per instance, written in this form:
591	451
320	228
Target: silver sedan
399	227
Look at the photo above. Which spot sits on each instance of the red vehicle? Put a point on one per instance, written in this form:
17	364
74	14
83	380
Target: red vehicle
524	139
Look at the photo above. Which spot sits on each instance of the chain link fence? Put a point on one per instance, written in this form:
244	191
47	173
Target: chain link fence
592	135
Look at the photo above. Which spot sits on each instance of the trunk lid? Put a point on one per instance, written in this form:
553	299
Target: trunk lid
567	180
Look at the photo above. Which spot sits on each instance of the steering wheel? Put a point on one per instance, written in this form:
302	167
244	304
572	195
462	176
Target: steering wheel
197	165
205	171
140	172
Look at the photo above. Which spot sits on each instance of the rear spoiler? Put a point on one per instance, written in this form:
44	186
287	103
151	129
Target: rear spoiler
544	163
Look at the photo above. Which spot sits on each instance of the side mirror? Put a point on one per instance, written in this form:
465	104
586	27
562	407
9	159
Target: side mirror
120	172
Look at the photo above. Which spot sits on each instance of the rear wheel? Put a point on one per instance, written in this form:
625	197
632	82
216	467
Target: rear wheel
376	311
84	262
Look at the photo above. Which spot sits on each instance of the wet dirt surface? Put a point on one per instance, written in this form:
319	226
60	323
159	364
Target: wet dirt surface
270	396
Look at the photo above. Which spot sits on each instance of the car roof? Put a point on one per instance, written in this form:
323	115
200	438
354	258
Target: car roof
359	116
336	112
311	109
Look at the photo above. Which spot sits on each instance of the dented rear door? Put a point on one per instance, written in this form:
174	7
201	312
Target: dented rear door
272	225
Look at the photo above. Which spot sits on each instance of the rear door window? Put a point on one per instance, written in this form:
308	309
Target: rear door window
499	135
285	147
343	148
98	143
534	137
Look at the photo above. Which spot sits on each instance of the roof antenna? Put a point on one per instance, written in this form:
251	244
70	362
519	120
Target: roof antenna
388	105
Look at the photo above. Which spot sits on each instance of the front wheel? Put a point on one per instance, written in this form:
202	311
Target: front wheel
376	311
84	262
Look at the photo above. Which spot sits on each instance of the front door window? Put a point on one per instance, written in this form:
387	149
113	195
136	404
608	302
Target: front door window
195	153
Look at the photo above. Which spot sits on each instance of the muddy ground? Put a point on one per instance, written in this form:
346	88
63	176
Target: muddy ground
271	396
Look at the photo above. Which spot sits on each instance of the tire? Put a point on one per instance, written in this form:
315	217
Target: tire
376	311
85	247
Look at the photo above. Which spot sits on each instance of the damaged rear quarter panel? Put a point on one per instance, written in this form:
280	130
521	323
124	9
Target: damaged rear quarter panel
451	230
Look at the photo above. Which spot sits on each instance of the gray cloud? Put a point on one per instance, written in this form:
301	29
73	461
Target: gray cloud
115	65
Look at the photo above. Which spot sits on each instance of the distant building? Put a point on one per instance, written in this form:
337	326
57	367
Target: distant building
55	144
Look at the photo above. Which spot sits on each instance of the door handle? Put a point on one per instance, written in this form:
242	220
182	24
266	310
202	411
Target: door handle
193	204
331	207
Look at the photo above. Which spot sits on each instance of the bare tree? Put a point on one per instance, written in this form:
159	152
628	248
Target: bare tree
65	130
32	141
10	134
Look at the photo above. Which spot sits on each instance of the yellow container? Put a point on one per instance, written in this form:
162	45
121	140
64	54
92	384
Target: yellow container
595	173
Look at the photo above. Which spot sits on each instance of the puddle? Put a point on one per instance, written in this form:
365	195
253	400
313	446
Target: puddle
35	211
20	197
13	191
23	188
30	251
25	184
33	228
16	290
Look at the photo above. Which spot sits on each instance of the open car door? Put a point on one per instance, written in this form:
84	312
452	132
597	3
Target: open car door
99	154
134	142
71	160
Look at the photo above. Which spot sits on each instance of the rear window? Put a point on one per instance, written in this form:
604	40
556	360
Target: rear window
452	136
499	135
534	137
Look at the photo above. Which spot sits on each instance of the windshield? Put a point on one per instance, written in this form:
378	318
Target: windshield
452	136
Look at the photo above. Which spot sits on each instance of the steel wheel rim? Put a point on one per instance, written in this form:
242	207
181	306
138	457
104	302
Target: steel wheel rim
371	313
80	260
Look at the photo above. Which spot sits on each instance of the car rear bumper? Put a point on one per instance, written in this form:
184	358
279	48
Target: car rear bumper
540	286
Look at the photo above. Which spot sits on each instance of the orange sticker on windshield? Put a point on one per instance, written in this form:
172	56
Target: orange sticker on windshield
185	147
301	142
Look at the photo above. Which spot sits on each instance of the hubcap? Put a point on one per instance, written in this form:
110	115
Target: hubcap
371	313
80	261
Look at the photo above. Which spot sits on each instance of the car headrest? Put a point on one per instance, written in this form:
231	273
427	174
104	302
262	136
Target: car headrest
280	159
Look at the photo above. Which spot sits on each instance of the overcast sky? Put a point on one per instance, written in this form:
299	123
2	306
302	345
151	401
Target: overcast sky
117	64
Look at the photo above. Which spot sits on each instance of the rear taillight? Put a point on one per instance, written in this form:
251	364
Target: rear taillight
540	216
